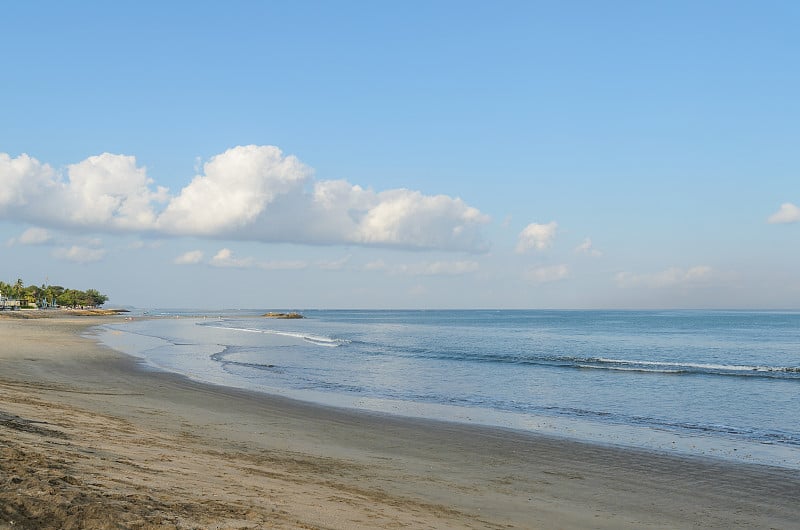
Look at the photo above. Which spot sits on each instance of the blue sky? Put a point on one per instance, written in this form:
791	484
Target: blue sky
408	154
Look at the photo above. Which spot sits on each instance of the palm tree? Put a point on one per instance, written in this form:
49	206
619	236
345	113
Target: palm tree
30	295
18	287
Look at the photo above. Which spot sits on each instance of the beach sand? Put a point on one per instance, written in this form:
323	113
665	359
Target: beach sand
91	439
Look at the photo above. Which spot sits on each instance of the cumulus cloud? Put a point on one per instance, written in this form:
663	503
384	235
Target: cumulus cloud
79	254
588	249
24	180
547	274
225	258
787	213
536	236
250	192
110	189
105	192
409	218
32	236
237	187
189	258
672	277
430	268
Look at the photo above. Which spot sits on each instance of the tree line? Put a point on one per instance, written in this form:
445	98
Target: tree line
51	295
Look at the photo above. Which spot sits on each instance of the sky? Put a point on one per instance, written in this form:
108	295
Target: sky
435	154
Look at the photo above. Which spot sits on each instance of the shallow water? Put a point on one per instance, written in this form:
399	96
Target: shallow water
713	383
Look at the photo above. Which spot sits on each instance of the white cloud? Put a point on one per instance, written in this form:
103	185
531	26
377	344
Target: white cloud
536	236
340	212
79	254
110	190
587	248
408	218
672	277
32	236
24	180
189	258
250	192
431	268
237	187
105	192
547	274
224	258
787	213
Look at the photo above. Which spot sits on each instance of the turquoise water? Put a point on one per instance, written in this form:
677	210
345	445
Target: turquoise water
714	383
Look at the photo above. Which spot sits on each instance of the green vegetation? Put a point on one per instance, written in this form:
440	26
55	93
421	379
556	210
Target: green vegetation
51	295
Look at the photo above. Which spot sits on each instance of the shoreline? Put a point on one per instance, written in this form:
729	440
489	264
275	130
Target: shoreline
155	448
656	438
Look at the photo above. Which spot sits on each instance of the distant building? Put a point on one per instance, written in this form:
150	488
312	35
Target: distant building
8	303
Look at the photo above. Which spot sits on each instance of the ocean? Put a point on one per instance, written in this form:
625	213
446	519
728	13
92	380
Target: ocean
722	384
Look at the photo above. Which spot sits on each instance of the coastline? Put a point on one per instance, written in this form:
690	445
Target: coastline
89	437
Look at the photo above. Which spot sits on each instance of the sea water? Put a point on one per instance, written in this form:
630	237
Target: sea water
712	383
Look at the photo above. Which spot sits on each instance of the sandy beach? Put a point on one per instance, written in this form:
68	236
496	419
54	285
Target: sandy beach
89	438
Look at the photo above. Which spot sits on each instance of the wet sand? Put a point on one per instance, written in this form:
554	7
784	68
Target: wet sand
91	439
